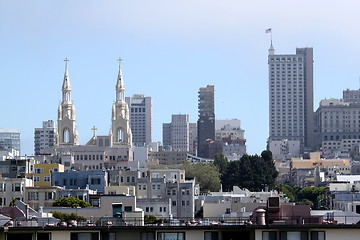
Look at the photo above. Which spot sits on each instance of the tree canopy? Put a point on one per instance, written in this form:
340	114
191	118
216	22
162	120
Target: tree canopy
253	172
205	174
70	202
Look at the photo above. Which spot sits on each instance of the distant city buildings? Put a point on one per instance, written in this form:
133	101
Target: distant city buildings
45	138
177	133
140	119
337	122
206	120
291	96
10	140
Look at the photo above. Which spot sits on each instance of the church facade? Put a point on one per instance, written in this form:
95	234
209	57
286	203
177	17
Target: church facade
100	152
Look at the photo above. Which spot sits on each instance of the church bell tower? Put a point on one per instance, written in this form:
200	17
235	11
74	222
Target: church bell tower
67	131
120	122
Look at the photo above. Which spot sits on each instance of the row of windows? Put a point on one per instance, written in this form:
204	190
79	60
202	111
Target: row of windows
151	209
88	157
137	110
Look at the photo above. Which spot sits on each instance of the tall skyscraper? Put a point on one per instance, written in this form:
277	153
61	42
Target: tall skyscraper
45	138
291	96
177	133
68	134
10	139
140	119
206	120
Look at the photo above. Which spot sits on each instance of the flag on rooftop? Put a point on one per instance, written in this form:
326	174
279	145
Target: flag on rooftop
268	30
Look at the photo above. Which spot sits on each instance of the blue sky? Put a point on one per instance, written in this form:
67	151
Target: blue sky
169	50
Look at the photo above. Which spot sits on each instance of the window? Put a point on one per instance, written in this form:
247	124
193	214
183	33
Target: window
39	170
147	236
47	179
171	235
36	179
293	236
17	187
95	181
315	235
108	236
268	235
128	208
84	236
66	136
49	196
211	236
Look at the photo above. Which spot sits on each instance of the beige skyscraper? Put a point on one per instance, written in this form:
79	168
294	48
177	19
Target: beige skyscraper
120	122
291	96
68	134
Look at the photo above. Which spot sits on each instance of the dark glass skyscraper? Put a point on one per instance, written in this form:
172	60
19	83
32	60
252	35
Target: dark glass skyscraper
206	121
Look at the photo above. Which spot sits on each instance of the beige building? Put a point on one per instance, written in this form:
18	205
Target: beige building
13	188
315	160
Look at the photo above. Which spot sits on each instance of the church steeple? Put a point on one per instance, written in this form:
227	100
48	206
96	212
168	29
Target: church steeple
120	87
120	122
67	131
66	87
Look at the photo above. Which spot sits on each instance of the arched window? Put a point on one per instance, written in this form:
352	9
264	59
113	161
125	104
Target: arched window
67	96
120	135
66	135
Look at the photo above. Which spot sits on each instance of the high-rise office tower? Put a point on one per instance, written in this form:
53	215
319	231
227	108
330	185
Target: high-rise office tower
45	138
206	120
10	140
140	119
176	133
291	96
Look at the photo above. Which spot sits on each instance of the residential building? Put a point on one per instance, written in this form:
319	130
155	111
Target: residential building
291	96
42	173
45	138
10	139
206	120
38	197
351	96
92	179
337	123
170	157
106	207
302	171
13	188
16	167
177	133
192	137
140	119
228	129
285	149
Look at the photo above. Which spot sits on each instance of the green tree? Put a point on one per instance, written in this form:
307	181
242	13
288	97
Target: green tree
64	217
221	162
205	174
251	171
149	219
314	194
70	202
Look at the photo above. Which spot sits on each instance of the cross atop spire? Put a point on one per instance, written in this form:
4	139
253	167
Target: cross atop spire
94	130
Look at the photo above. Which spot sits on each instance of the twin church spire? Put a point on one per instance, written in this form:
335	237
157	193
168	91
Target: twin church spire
120	132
